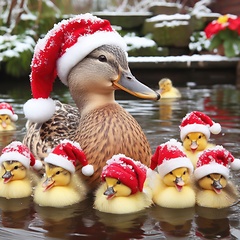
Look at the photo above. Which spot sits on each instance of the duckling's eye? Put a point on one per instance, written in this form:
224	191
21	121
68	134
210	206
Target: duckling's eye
16	167
188	137
102	58
171	173
58	172
208	176
200	136
118	182
184	172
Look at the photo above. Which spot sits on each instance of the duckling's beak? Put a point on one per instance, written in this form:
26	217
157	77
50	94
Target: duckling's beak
4	124
48	184
217	186
109	192
179	183
7	176
127	82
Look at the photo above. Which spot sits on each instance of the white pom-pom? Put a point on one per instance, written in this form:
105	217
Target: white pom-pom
39	110
235	165
88	170
14	117
215	128
38	165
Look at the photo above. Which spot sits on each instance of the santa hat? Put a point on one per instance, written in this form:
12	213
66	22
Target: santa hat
131	173
216	160
16	151
69	42
7	109
66	154
169	156
198	122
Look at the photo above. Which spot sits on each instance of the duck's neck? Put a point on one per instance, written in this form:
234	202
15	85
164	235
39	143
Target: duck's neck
88	102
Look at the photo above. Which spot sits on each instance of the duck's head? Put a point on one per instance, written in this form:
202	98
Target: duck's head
178	178
55	176
6	123
87	55
215	182
13	170
115	188
102	72
195	141
165	85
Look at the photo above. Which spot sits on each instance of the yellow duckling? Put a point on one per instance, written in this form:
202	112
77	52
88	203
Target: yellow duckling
123	190
195	130
60	186
213	189
7	117
171	184
90	58
167	90
17	181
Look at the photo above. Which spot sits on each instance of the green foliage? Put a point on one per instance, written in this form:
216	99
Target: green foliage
230	41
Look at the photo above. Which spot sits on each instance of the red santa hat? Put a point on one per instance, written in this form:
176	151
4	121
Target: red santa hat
69	42
198	122
131	173
216	160
6	108
16	151
66	154
169	156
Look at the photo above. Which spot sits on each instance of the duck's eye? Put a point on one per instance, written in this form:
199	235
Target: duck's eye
208	176
58	172
102	58
118	182
171	173
184	172
188	137
16	167
200	136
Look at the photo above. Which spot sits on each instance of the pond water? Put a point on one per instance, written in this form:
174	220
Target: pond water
21	219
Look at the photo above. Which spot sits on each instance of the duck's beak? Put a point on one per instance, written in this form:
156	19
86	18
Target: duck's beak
47	184
7	176
109	192
127	82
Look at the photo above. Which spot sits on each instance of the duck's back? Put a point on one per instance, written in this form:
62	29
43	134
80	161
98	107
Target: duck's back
111	130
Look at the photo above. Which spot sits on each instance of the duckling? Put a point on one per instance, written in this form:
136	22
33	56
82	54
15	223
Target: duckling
61	187
195	130
92	71
167	90
117	194
193	144
171	184
213	189
7	117
17	179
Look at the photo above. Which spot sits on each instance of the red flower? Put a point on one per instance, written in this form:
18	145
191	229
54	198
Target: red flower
213	28
234	24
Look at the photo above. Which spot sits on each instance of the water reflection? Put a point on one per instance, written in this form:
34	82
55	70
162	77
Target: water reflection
22	219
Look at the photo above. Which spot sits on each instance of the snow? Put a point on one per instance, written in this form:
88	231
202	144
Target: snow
183	58
164	17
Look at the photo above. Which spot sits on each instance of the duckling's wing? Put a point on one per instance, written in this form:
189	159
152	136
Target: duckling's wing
41	138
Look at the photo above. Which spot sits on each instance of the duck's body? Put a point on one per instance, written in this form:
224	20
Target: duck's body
122	202
59	188
194	144
16	181
214	191
6	124
105	128
167	90
172	193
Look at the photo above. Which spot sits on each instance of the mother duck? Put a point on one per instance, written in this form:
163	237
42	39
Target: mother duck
89	57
